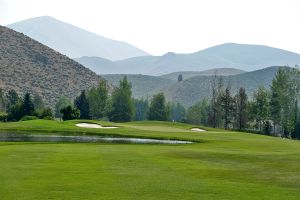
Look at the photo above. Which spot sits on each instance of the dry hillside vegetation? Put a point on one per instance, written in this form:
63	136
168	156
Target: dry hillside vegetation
29	66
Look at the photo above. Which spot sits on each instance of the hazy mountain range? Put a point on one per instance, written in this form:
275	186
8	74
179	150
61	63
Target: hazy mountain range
29	66
106	56
240	56
73	41
195	88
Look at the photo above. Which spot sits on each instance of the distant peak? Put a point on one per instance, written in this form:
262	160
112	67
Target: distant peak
169	54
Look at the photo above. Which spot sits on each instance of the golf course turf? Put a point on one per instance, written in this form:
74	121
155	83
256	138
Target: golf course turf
219	165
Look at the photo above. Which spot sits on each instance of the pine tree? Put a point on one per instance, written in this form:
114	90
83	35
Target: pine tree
227	107
241	109
122	106
141	109
158	109
82	104
28	107
98	100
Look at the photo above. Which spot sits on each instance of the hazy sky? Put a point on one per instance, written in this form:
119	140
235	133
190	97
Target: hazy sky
182	26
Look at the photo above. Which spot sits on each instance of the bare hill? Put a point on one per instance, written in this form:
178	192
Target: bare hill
29	66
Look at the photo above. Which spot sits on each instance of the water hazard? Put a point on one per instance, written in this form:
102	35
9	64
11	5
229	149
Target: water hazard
13	137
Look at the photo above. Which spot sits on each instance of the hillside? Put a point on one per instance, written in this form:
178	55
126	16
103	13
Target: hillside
210	72
142	85
28	66
196	88
98	65
73	41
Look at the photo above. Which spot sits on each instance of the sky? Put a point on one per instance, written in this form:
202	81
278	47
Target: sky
181	26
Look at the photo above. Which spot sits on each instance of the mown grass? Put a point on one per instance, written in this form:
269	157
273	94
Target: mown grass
224	165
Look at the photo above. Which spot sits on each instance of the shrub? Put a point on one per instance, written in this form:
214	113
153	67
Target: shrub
3	117
28	117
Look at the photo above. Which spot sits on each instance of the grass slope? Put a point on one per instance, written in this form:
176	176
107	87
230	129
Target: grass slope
225	165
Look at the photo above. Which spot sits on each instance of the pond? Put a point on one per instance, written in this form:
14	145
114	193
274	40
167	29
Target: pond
13	137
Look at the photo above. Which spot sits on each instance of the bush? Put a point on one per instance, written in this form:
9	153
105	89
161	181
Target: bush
3	117
27	118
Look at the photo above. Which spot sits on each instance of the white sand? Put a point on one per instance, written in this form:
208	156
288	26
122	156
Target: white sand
198	129
87	125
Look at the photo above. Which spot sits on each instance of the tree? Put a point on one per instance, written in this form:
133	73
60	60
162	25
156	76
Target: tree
158	109
177	112
45	113
2	101
141	109
241	109
12	98
198	113
63	102
38	102
122	107
82	104
284	94
16	111
69	113
261	106
179	78
28	107
227	107
214	116
98	100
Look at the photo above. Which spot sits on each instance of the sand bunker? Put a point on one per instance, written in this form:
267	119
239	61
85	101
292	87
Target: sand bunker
198	129
87	125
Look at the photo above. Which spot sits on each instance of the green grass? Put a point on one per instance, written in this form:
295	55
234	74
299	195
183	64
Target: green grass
224	165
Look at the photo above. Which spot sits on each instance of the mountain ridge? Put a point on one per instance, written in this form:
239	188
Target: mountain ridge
74	41
244	57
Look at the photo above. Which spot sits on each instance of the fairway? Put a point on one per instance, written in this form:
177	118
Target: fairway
222	165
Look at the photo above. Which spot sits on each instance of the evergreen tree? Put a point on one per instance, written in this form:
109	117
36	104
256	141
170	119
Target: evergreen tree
141	109
241	109
177	112
16	111
158	109
198	113
227	107
214	116
2	101
12	98
82	104
122	106
98	100
28	107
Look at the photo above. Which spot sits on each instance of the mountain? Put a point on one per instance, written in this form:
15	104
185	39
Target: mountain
211	72
98	65
196	88
73	41
29	66
240	56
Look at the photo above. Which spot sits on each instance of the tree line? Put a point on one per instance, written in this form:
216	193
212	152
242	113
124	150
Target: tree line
15	108
120	106
273	111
